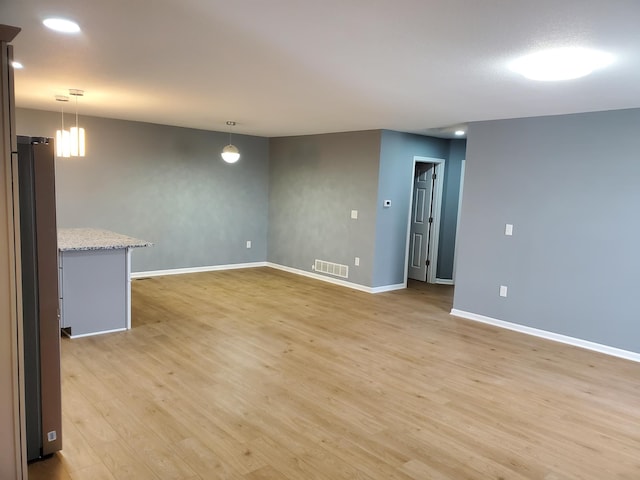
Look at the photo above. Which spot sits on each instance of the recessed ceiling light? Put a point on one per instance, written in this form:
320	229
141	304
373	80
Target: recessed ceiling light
459	133
561	63
17	65
61	25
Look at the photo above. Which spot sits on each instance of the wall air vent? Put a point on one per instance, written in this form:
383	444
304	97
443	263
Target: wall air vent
331	268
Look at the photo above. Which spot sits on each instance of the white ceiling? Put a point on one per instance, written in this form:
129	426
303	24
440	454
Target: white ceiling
291	67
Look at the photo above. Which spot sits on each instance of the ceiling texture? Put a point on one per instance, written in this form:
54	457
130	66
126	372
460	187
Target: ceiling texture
295	67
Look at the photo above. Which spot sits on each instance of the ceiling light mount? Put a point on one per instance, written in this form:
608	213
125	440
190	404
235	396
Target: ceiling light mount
230	153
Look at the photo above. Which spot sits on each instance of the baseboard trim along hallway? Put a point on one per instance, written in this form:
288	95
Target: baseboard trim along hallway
210	268
336	281
556	337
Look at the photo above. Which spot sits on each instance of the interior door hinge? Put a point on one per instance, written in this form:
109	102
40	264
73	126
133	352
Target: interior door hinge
430	219
427	263
433	177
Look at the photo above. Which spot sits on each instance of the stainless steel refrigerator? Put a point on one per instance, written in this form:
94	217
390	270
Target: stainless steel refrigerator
40	300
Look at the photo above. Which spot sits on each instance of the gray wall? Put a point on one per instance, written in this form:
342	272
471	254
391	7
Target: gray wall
167	185
450	199
315	182
396	183
570	185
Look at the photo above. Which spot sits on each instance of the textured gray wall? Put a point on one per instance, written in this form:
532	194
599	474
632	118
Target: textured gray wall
570	185
396	178
315	182
164	184
450	199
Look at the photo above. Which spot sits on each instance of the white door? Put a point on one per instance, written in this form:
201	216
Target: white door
421	221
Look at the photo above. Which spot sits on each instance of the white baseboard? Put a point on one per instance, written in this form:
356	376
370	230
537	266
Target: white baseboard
389	288
92	334
444	281
336	281
211	268
556	337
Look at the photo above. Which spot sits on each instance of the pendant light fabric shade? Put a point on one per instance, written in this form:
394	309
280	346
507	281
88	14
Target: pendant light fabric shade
63	145
76	134
230	153
76	142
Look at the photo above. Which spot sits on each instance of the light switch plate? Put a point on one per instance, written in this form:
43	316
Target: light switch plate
356	262
503	290
354	214
248	243
508	229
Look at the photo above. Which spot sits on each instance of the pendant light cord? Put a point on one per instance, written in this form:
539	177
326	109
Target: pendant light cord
231	125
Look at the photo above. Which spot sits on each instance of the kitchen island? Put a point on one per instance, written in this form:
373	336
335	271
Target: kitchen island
95	280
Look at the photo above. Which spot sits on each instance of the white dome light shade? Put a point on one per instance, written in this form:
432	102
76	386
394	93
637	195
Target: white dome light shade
17	65
230	154
561	64
459	133
77	142
61	25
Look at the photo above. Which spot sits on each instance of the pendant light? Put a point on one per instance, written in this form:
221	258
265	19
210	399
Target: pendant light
63	148
76	134
230	153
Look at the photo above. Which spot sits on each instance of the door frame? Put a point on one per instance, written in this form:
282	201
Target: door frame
12	364
439	164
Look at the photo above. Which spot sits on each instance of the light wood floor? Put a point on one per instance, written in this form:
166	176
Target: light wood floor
258	375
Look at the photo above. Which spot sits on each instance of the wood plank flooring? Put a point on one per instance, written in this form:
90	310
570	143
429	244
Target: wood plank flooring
260	375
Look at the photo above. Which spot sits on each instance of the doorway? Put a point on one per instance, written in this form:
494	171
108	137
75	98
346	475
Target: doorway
421	260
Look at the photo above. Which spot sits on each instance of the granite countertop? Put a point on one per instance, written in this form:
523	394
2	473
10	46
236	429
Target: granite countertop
70	239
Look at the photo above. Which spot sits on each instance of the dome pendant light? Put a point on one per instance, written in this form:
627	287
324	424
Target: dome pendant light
230	153
76	134
63	148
